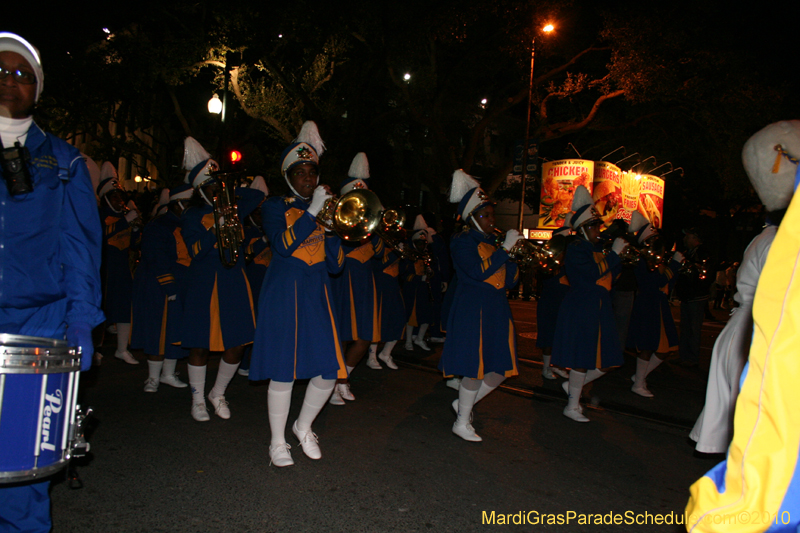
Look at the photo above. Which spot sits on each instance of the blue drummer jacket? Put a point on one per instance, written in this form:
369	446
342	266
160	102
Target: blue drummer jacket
50	242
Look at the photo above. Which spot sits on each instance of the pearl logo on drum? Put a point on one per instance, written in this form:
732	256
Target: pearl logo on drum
53	405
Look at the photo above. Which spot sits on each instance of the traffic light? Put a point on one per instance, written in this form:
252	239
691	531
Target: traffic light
235	157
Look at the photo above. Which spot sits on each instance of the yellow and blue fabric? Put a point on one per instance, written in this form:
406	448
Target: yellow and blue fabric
50	249
554	290
757	488
441	274
586	334
298	335
652	327
118	239
356	293
417	293
258	255
481	336
161	274
391	309
218	309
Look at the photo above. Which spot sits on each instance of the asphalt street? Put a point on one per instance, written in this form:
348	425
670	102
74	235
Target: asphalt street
390	461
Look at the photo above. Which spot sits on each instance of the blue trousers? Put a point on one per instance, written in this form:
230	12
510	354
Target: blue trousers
25	507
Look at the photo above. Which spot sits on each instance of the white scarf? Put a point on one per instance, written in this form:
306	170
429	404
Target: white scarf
14	129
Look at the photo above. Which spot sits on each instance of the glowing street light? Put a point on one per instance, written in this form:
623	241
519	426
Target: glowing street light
407	76
215	105
546	29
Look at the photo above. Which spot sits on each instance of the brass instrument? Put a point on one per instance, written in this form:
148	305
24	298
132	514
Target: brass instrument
524	252
353	216
229	231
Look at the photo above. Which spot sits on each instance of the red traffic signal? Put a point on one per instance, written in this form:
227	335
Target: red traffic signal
235	156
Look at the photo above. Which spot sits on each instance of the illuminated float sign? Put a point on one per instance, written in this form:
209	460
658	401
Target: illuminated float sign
651	199
559	181
607	192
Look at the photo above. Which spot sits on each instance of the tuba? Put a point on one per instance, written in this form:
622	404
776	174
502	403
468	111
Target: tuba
354	216
226	220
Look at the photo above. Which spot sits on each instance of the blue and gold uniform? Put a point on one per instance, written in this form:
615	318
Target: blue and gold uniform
586	335
652	327
161	274
391	309
118	237
554	290
481	337
297	335
258	254
218	311
417	293
356	292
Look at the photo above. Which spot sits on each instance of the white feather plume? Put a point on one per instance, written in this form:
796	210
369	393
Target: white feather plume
94	171
193	153
309	134
107	171
638	221
581	198
462	183
359	168
260	185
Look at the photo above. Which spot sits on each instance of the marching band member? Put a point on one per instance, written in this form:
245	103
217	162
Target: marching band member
218	310
159	290
54	212
417	291
761	475
121	231
355	289
651	333
586	339
481	340
391	309
257	257
297	335
440	266
554	289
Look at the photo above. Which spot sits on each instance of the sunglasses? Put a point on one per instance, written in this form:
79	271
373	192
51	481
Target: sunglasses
20	76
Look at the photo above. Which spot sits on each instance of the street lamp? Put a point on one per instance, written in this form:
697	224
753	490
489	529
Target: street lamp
547	29
215	105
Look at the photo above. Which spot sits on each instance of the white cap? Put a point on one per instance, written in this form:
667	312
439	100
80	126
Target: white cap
10	42
770	170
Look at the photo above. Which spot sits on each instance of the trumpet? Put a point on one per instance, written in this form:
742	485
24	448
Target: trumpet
226	221
353	216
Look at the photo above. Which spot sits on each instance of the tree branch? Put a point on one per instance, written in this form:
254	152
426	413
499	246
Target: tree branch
564	128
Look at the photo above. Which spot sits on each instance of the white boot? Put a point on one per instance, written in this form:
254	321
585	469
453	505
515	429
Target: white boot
639	380
574	387
409	342
372	360
386	355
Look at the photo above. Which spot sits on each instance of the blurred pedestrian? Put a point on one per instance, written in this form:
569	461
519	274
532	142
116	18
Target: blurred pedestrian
692	288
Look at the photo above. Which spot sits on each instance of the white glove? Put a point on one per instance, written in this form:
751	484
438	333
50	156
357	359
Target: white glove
172	298
677	256
132	215
318	200
512	236
619	245
401	246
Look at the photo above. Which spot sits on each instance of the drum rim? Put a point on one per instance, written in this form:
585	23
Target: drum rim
16	476
8	338
24	354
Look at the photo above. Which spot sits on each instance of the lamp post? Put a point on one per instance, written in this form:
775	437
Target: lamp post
547	29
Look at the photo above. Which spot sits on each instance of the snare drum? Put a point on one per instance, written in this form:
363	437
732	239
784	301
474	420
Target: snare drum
38	393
